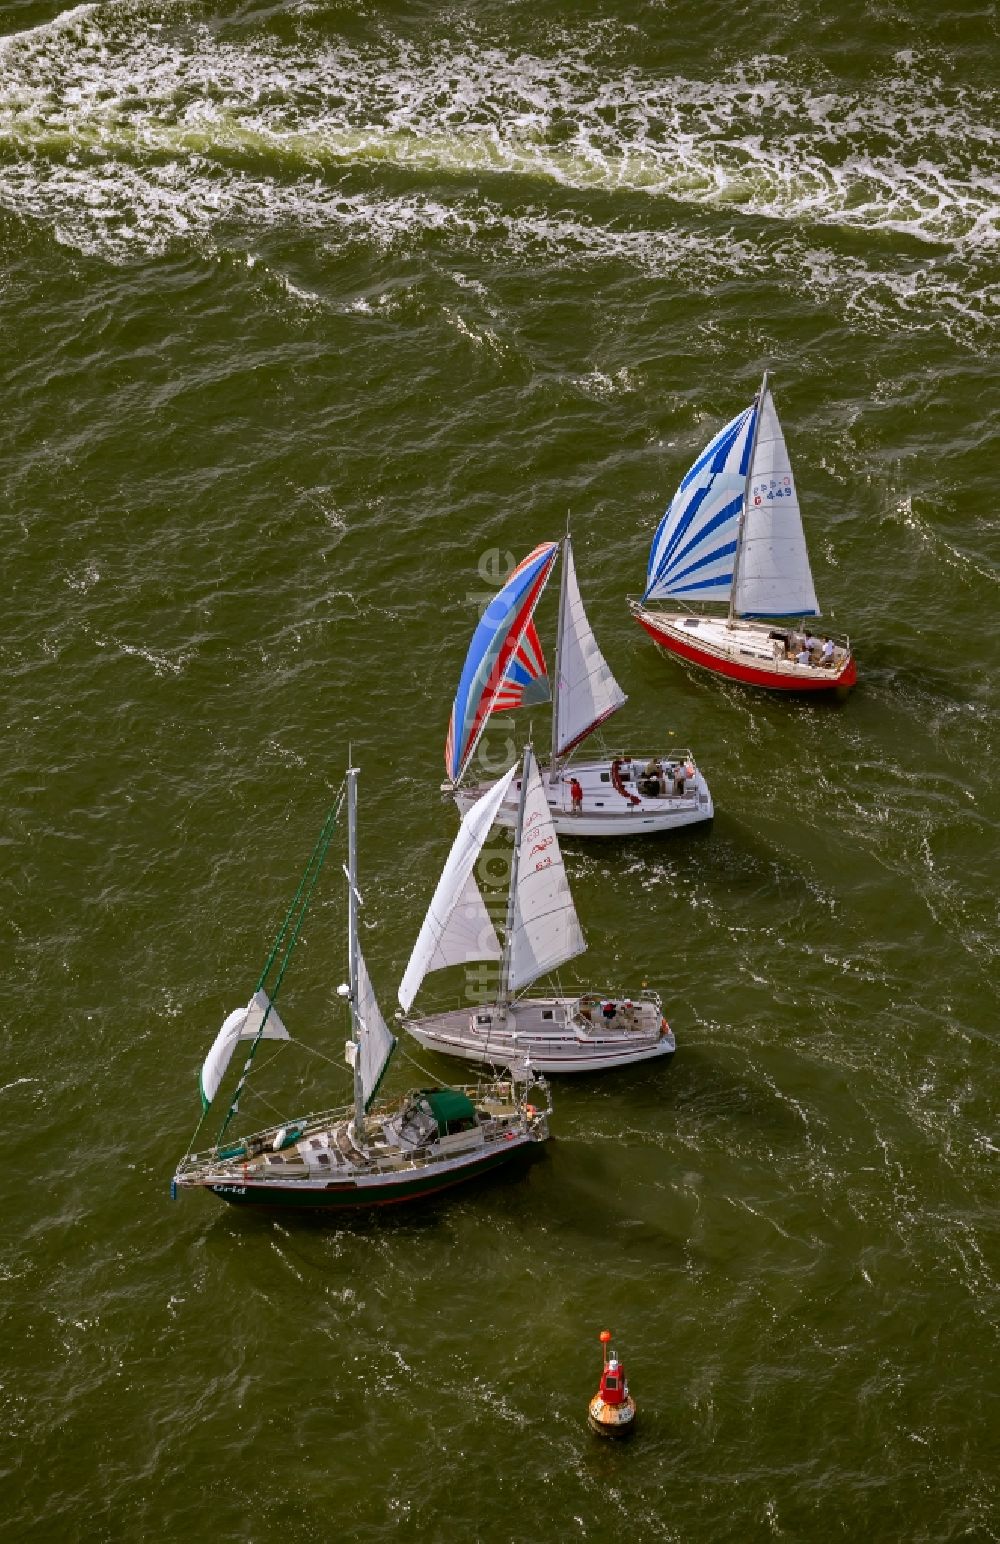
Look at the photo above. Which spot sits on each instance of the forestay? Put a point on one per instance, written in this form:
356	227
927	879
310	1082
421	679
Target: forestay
376	1042
496	650
695	545
773	577
457	927
545	930
586	691
241	1024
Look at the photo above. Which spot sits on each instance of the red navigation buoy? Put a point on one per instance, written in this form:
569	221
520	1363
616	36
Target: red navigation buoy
612	1409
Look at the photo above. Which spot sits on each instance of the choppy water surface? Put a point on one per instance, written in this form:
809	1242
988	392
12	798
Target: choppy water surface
306	308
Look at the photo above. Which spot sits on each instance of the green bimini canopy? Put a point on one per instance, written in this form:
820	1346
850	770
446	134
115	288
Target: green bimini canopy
448	1106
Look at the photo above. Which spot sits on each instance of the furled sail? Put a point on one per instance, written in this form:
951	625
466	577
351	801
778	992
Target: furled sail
242	1024
494	653
545	930
773	577
693	550
457	926
586	691
376	1040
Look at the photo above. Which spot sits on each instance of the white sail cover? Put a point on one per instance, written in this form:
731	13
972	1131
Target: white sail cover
693	550
546	930
586	692
376	1040
457	927
241	1024
773	577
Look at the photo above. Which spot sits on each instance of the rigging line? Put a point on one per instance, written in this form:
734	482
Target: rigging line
307	885
255	1093
278	1050
414	1063
333	1061
312	868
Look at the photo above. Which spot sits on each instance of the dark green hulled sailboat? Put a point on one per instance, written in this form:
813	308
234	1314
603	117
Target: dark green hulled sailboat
376	1152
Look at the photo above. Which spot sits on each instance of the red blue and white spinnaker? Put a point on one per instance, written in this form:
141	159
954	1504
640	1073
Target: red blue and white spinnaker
505	669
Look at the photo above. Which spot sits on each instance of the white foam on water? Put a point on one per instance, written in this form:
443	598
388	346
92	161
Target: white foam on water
943	549
162	664
126	139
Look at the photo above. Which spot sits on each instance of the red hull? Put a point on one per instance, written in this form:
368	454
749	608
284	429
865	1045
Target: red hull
752	675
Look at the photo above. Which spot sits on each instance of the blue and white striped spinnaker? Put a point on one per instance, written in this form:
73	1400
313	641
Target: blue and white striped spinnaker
693	550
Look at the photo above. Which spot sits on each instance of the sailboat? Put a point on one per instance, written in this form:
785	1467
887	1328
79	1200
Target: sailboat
622	795
584	1033
371	1153
733	533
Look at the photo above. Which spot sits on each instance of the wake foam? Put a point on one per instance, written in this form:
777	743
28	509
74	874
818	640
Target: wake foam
126	137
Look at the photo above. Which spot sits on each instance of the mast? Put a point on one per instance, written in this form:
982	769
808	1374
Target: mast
503	994
352	947
559	638
746	495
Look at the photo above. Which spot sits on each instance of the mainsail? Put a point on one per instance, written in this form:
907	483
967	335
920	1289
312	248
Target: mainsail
495	651
694	547
457	927
545	930
586	692
242	1024
773	577
375	1041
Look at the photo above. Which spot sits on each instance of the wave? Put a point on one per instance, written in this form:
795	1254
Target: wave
125	135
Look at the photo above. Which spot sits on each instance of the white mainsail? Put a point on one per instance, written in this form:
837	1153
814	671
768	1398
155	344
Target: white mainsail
586	691
773	577
545	930
376	1040
241	1024
457	926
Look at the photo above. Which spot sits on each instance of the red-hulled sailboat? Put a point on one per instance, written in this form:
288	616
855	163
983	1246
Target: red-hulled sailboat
733	534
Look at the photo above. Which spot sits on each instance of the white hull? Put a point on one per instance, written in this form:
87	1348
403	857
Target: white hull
553	1034
605	810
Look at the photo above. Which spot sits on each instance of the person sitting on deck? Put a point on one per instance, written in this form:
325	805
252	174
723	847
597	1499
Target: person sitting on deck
680	771
576	794
652	780
804	657
609	1010
827	652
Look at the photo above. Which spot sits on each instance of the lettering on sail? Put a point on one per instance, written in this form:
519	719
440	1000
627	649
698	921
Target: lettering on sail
531	825
777	488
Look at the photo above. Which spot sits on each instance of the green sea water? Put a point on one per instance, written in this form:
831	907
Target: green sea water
306	309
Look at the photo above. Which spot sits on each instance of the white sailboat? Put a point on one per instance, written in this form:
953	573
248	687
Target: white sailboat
621	795
376	1152
733	534
582	1033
